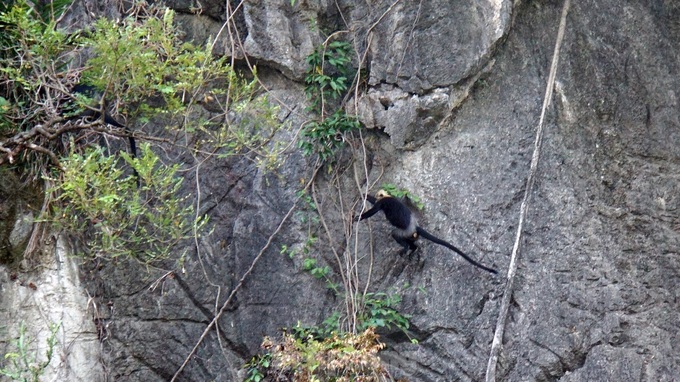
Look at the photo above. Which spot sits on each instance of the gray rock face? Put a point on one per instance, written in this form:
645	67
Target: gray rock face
425	51
601	232
408	119
425	56
460	85
52	296
411	119
281	34
419	46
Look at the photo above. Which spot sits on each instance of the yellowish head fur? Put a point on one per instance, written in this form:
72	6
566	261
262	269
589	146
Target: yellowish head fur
382	194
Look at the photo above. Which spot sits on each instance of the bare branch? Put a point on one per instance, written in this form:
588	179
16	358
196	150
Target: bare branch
243	278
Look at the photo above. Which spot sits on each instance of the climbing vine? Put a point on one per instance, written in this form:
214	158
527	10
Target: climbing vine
327	79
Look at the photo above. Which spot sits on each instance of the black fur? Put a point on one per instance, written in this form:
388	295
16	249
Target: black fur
432	238
395	211
91	92
400	216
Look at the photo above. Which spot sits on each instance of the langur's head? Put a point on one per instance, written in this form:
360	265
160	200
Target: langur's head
207	98
382	194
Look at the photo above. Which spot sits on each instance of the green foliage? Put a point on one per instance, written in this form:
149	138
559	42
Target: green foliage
137	60
257	367
30	45
327	328
307	213
141	69
403	193
375	310
99	197
44	11
21	364
328	72
325	137
5	111
309	265
339	357
319	272
379	311
327	79
306	249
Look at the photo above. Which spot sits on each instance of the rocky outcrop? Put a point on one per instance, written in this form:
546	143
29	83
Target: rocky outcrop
425	57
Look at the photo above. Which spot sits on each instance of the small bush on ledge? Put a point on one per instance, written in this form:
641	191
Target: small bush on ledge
339	357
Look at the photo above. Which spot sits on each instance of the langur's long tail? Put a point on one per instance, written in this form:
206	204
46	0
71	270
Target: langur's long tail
439	241
131	139
133	153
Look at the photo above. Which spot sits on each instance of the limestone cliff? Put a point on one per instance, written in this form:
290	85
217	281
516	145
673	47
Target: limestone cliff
450	105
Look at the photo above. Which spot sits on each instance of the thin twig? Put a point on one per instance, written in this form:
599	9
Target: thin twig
242	280
38	233
369	40
524	208
328	232
410	36
363	206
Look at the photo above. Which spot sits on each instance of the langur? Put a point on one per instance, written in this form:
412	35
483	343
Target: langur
91	92
406	230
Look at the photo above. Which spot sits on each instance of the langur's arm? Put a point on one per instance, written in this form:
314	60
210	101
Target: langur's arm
373	210
377	206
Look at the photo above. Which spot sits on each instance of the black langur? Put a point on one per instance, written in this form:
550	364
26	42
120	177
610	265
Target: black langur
406	230
91	92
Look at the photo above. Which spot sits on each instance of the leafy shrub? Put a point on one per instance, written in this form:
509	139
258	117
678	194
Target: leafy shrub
99	198
257	367
327	80
340	357
379	311
30	47
140	69
325	352
325	137
327	74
